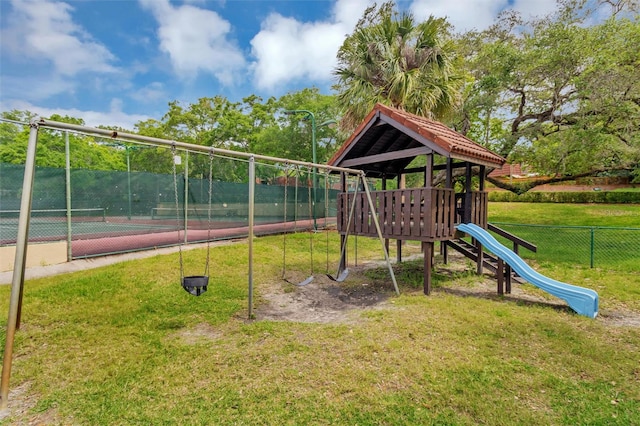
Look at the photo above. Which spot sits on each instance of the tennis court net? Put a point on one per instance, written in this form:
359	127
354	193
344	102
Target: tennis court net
57	215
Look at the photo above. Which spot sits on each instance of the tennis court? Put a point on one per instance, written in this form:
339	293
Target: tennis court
52	225
118	212
98	235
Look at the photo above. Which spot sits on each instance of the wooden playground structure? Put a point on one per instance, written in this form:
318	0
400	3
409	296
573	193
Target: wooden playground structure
384	146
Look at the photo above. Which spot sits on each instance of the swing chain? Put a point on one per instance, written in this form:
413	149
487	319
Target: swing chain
326	213
284	240
311	207
175	192
206	268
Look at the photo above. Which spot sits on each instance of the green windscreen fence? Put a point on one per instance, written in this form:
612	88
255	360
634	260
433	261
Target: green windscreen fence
121	211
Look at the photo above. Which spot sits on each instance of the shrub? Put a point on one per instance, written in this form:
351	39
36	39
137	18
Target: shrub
602	197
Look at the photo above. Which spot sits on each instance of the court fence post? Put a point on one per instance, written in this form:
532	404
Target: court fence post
67	154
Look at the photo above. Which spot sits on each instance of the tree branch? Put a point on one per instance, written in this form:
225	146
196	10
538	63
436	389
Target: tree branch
522	187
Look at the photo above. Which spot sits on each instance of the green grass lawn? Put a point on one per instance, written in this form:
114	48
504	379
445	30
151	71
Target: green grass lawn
563	237
618	215
603	236
124	344
634	189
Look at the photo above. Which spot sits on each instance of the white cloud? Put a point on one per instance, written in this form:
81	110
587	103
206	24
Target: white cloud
464	15
349	12
150	93
477	14
44	29
287	50
537	8
35	88
196	40
114	117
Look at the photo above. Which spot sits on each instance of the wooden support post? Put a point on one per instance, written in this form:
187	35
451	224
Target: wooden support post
467	195
500	274
449	178
383	207
428	263
479	258
428	173
508	279
402	183
444	251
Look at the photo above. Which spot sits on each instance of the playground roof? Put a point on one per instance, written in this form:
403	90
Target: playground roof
389	139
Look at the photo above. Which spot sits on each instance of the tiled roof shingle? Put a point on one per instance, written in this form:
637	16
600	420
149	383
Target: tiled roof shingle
434	134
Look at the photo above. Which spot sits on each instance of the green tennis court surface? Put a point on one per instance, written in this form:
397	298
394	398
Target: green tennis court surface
40	229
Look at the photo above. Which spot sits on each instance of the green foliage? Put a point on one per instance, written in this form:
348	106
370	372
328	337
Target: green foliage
292	136
392	59
604	197
253	125
86	152
566	90
557	93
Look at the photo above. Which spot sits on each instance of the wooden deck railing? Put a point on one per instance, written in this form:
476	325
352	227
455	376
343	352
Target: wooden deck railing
477	208
425	214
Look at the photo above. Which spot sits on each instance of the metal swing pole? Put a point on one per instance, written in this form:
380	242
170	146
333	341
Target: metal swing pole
377	224
17	284
252	191
67	176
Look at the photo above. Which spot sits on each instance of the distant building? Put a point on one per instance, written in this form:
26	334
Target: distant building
516	171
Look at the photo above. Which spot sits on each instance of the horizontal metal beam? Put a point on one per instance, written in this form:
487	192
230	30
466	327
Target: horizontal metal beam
132	137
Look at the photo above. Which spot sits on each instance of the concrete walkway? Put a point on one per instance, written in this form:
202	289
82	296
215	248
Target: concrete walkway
96	262
145	246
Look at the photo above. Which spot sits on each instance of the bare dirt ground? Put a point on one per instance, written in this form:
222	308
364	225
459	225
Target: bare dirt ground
321	301
327	301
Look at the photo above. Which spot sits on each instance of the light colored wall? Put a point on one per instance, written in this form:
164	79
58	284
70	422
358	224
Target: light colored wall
41	254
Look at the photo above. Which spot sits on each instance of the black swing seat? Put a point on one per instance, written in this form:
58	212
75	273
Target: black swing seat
341	277
195	285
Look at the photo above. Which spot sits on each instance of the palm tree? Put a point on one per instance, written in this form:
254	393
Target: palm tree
393	60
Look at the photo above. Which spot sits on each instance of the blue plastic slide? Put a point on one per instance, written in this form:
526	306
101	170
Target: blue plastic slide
582	300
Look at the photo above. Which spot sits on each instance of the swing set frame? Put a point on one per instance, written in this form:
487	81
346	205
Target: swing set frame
17	283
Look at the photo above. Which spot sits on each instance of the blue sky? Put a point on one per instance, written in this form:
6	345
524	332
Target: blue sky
116	62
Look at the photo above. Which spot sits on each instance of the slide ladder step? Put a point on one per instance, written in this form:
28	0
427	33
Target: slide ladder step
489	261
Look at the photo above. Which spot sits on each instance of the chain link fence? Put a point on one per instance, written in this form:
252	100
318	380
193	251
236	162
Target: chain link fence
114	211
158	197
592	246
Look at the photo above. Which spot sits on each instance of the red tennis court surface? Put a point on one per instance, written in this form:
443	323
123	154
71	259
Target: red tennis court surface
100	246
